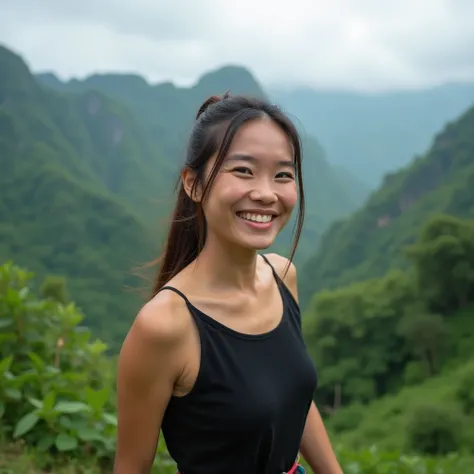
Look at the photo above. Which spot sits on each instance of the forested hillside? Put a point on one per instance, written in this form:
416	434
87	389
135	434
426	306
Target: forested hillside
370	241
395	354
87	171
371	134
67	162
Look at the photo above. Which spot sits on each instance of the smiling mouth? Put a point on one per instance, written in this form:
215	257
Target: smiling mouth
254	217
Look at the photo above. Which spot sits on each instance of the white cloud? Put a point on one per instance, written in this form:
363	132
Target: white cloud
364	44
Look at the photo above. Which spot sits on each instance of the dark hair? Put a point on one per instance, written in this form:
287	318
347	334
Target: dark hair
217	121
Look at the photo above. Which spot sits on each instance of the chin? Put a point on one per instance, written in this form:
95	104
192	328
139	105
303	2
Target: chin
256	244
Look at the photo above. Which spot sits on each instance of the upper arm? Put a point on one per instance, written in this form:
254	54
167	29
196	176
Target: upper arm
286	272
149	364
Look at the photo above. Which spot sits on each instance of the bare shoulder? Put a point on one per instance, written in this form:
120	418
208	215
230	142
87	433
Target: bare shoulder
286	270
163	320
157	337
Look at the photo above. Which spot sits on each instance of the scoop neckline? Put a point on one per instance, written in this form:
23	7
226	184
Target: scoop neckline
243	335
238	334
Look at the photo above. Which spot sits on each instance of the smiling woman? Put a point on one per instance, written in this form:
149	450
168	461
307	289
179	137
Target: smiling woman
216	358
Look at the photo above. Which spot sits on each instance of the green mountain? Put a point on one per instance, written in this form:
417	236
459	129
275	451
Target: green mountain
88	168
68	162
369	242
372	134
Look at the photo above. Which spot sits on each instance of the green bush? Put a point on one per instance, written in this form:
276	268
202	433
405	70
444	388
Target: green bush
56	385
414	373
434	430
347	418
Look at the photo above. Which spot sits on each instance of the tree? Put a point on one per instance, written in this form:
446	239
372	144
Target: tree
444	261
351	334
55	287
424	332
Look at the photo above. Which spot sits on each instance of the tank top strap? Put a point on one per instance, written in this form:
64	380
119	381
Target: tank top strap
287	295
178	292
275	274
279	280
191	308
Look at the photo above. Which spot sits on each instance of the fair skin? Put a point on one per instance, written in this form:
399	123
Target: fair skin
160	356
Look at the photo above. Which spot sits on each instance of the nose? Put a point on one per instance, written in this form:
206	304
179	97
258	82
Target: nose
264	193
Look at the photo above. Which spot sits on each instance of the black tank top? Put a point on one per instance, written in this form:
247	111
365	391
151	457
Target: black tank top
247	410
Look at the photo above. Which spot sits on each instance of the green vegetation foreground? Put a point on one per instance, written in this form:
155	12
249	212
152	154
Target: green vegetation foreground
57	395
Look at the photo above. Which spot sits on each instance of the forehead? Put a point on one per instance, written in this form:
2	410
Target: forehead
261	138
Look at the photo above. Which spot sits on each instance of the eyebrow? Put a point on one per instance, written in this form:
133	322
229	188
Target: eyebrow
252	159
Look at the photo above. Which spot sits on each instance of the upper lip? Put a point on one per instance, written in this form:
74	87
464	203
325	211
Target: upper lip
263	212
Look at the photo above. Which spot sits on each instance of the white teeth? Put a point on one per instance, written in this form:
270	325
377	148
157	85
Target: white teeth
255	217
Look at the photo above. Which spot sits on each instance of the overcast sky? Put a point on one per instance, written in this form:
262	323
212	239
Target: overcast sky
345	44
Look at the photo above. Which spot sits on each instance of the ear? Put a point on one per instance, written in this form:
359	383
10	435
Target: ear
188	177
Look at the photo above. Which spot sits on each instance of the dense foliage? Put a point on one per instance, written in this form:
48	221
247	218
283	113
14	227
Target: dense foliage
373	337
57	397
396	354
57	389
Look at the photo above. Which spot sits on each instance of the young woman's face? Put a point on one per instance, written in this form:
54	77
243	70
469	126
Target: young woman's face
255	191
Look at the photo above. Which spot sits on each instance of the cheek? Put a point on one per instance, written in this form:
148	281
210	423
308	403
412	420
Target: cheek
229	189
225	193
289	197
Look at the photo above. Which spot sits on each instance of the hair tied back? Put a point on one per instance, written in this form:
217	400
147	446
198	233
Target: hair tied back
211	100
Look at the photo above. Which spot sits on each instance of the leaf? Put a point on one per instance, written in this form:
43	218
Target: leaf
35	402
65	422
13	394
37	361
12	297
25	424
110	418
23	293
48	402
71	407
5	364
97	398
2	409
65	442
89	434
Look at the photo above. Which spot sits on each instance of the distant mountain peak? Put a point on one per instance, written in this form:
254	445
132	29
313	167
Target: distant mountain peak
16	82
237	79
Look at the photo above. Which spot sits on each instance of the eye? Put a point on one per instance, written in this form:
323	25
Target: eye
242	170
285	175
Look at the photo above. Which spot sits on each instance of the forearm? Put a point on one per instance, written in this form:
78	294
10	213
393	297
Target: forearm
316	447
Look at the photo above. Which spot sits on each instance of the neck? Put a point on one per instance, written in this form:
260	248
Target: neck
227	266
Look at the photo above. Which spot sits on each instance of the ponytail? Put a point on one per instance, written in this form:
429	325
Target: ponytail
185	239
